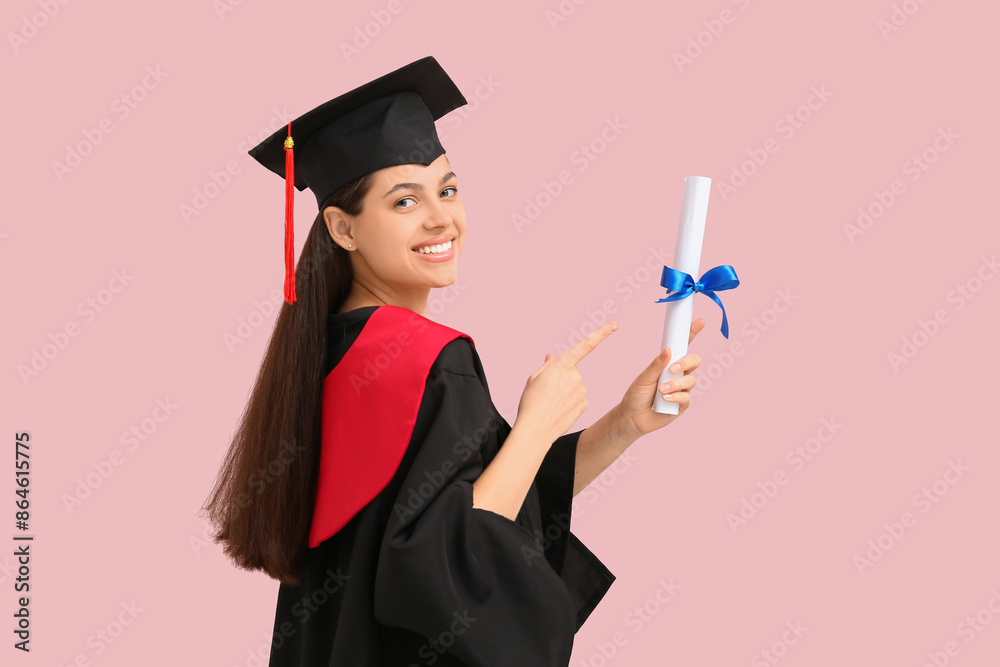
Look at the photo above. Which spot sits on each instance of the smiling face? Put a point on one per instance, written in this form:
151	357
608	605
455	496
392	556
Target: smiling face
408	206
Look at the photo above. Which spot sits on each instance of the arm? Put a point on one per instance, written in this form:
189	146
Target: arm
503	485
599	446
506	480
442	560
609	437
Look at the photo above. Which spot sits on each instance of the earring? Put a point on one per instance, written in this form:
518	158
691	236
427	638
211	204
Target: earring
349	245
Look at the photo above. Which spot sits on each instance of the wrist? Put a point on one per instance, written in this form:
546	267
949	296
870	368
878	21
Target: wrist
531	433
623	428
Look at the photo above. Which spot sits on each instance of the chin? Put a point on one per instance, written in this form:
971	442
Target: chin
444	282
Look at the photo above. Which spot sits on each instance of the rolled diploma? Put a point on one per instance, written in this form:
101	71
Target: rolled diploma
687	257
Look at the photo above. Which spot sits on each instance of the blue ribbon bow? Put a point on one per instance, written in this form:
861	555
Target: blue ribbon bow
714	280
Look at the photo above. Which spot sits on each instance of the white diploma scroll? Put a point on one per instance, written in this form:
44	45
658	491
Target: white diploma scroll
687	257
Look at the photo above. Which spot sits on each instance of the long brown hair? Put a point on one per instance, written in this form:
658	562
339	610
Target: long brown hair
262	502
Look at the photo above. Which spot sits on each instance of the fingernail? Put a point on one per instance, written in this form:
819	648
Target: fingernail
668	397
614	326
676	368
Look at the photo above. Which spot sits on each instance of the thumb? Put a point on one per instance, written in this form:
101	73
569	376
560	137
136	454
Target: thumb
541	368
652	372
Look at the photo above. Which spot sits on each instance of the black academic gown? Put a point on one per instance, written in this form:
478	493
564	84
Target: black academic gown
419	576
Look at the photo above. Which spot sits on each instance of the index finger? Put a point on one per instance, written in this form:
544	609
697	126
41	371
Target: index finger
699	327
574	354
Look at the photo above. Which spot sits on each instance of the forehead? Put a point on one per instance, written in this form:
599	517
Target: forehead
413	172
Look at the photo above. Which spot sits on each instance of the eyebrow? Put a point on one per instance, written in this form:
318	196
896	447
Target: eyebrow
417	186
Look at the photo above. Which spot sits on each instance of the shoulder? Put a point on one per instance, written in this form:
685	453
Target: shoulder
398	337
459	357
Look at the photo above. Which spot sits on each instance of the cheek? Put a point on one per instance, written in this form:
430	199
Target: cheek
387	236
460	221
388	249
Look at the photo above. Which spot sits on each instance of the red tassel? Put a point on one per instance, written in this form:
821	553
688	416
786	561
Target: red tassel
289	203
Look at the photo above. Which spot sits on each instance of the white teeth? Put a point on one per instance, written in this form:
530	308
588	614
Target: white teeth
435	249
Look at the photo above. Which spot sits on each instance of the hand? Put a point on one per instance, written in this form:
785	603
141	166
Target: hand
554	396
635	412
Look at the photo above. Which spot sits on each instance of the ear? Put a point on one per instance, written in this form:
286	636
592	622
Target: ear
340	225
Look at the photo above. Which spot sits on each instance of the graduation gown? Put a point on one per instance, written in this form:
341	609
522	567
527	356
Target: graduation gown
402	570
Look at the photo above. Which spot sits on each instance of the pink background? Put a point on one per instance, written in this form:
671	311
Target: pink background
821	356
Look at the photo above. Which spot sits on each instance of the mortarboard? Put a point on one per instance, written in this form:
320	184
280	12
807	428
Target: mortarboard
383	123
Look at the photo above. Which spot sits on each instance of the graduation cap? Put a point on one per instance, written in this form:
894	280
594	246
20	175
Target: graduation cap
383	123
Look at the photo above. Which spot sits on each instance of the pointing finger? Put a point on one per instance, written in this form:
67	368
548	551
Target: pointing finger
696	328
574	354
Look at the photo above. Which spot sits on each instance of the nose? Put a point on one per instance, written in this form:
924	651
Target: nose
439	215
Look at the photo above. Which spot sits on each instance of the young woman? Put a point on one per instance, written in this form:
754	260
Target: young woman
371	474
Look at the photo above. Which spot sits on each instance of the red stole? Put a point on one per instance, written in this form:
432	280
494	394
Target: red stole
370	404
